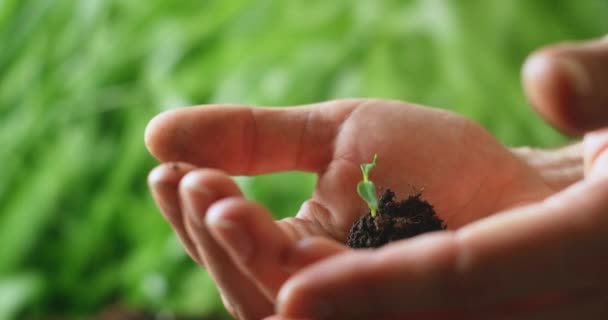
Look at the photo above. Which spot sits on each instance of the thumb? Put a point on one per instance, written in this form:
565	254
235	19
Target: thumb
566	84
556	245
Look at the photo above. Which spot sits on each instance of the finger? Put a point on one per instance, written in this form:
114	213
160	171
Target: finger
310	250
369	284
559	168
546	247
595	155
557	245
248	140
567	85
198	191
256	245
163	182
260	247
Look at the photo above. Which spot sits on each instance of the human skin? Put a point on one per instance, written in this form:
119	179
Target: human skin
566	84
524	236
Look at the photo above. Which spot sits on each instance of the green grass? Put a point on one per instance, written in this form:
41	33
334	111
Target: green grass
80	79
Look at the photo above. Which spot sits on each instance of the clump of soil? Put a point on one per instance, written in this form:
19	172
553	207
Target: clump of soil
395	220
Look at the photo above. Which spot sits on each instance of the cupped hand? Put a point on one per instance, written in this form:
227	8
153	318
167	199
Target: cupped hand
464	172
544	260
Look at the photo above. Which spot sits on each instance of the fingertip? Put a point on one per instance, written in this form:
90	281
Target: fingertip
552	84
208	135
215	216
163	182
157	135
211	182
169	173
195	182
225	221
250	219
565	83
156	175
241	225
230	210
200	189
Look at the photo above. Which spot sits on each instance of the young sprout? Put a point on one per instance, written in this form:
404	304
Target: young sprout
367	189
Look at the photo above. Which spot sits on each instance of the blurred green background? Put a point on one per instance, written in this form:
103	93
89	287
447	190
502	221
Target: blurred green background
79	233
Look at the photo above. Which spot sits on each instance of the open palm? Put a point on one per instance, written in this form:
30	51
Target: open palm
464	172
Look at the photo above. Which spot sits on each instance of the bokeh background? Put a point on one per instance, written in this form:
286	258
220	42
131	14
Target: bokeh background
79	79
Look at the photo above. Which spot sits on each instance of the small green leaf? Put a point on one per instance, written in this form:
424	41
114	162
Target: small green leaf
367	191
367	167
366	188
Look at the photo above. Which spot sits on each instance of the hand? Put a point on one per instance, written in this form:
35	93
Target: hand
466	174
544	260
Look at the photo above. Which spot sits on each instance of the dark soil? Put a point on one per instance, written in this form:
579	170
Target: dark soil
395	220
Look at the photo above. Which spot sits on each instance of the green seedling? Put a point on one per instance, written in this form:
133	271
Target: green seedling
367	189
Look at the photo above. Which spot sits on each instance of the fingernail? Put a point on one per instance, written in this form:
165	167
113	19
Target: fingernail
230	234
576	74
197	200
